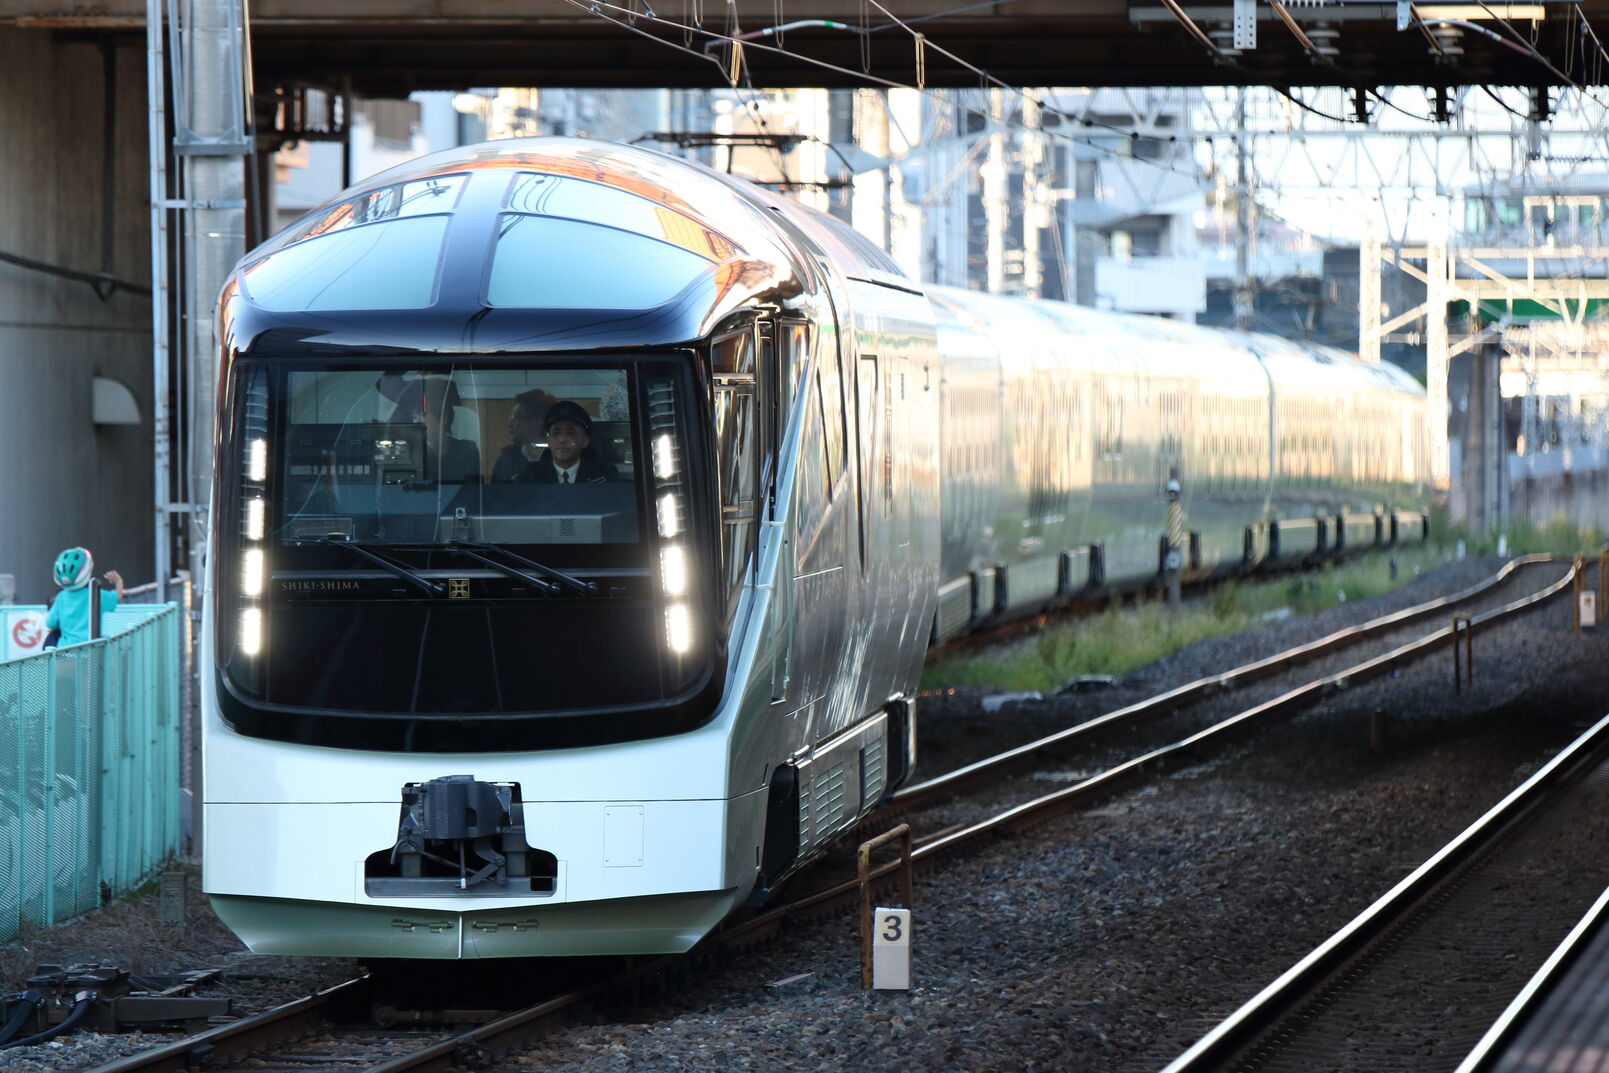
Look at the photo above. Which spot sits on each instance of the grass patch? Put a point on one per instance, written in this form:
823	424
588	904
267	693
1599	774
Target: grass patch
1124	637
1557	537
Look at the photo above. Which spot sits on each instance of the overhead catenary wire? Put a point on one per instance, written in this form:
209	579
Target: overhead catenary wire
1586	25
1503	105
1530	47
922	44
923	41
1304	106
1300	34
598	8
1389	103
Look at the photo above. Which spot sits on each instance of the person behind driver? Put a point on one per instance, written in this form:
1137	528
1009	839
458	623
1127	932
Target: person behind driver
431	401
569	430
524	429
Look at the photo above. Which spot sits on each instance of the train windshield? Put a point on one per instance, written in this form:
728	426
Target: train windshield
468	538
507	456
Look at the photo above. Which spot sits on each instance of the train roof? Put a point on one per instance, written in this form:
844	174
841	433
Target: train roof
1164	346
518	245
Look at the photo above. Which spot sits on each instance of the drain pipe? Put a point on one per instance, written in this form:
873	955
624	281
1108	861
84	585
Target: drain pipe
161	354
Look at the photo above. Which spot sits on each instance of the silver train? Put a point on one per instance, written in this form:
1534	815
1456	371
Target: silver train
583	517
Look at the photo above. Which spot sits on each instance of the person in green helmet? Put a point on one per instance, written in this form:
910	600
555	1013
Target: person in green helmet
67	621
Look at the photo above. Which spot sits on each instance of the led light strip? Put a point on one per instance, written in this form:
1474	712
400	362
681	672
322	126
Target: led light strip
253	559
670	512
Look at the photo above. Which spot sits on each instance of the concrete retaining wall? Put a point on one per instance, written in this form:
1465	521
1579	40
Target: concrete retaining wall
64	480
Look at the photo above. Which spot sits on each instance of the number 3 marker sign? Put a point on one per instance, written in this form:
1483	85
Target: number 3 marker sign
891	949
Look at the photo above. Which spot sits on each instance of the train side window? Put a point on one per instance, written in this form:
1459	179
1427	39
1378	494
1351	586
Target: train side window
832	405
1110	446
811	493
867	439
796	340
737	452
734	355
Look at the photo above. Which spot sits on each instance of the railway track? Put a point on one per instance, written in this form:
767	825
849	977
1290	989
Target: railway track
1282	680
333	1029
1414	981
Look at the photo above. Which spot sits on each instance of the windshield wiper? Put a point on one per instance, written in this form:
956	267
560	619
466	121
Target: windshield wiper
432	588
481	551
502	568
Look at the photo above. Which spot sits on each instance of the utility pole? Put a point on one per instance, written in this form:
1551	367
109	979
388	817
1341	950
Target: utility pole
1033	210
993	174
211	95
1243	296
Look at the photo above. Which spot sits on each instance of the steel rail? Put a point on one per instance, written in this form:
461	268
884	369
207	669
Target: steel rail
490	1041
480	1046
1084	793
1050	804
1264	1010
226	1043
951	781
1537	990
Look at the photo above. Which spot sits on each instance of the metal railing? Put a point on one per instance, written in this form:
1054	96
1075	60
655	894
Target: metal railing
89	768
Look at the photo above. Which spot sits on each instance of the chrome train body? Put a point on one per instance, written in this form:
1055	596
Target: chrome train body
455	709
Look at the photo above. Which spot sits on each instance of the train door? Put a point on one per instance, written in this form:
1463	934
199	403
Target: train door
824	527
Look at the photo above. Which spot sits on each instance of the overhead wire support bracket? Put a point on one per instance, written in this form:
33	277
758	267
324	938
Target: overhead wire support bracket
1314	51
180	204
1244	23
1195	31
191	146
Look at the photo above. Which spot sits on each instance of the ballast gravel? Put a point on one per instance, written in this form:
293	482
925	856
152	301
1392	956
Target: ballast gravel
1107	940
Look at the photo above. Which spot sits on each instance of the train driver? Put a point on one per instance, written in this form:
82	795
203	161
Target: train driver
569	429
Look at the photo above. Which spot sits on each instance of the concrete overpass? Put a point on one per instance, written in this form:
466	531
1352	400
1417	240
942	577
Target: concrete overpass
388	48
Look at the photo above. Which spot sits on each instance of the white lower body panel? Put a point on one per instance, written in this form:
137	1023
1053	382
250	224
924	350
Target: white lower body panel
633	877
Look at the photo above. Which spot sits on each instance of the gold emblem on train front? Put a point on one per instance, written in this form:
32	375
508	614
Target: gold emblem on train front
458	588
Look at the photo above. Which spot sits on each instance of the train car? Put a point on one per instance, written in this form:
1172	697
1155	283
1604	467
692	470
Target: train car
582	517
1063	427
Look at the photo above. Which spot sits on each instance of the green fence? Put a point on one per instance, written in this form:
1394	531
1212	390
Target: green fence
89	768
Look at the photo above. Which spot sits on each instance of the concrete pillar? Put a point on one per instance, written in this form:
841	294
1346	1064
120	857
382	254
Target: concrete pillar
1086	241
210	140
1437	294
841	131
1369	297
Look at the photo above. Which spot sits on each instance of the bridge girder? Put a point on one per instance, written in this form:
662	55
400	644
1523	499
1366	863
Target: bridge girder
391	47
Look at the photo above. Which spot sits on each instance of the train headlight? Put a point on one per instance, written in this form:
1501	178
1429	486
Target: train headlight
254	519
664	457
257	460
670	516
678	629
251	631
251	572
673	570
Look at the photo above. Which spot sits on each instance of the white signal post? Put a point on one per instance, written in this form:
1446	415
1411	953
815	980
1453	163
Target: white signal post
891	950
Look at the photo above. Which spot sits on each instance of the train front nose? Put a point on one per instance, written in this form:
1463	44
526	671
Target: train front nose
458	867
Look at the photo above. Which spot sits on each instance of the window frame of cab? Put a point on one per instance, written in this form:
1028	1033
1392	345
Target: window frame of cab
457	732
755	381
